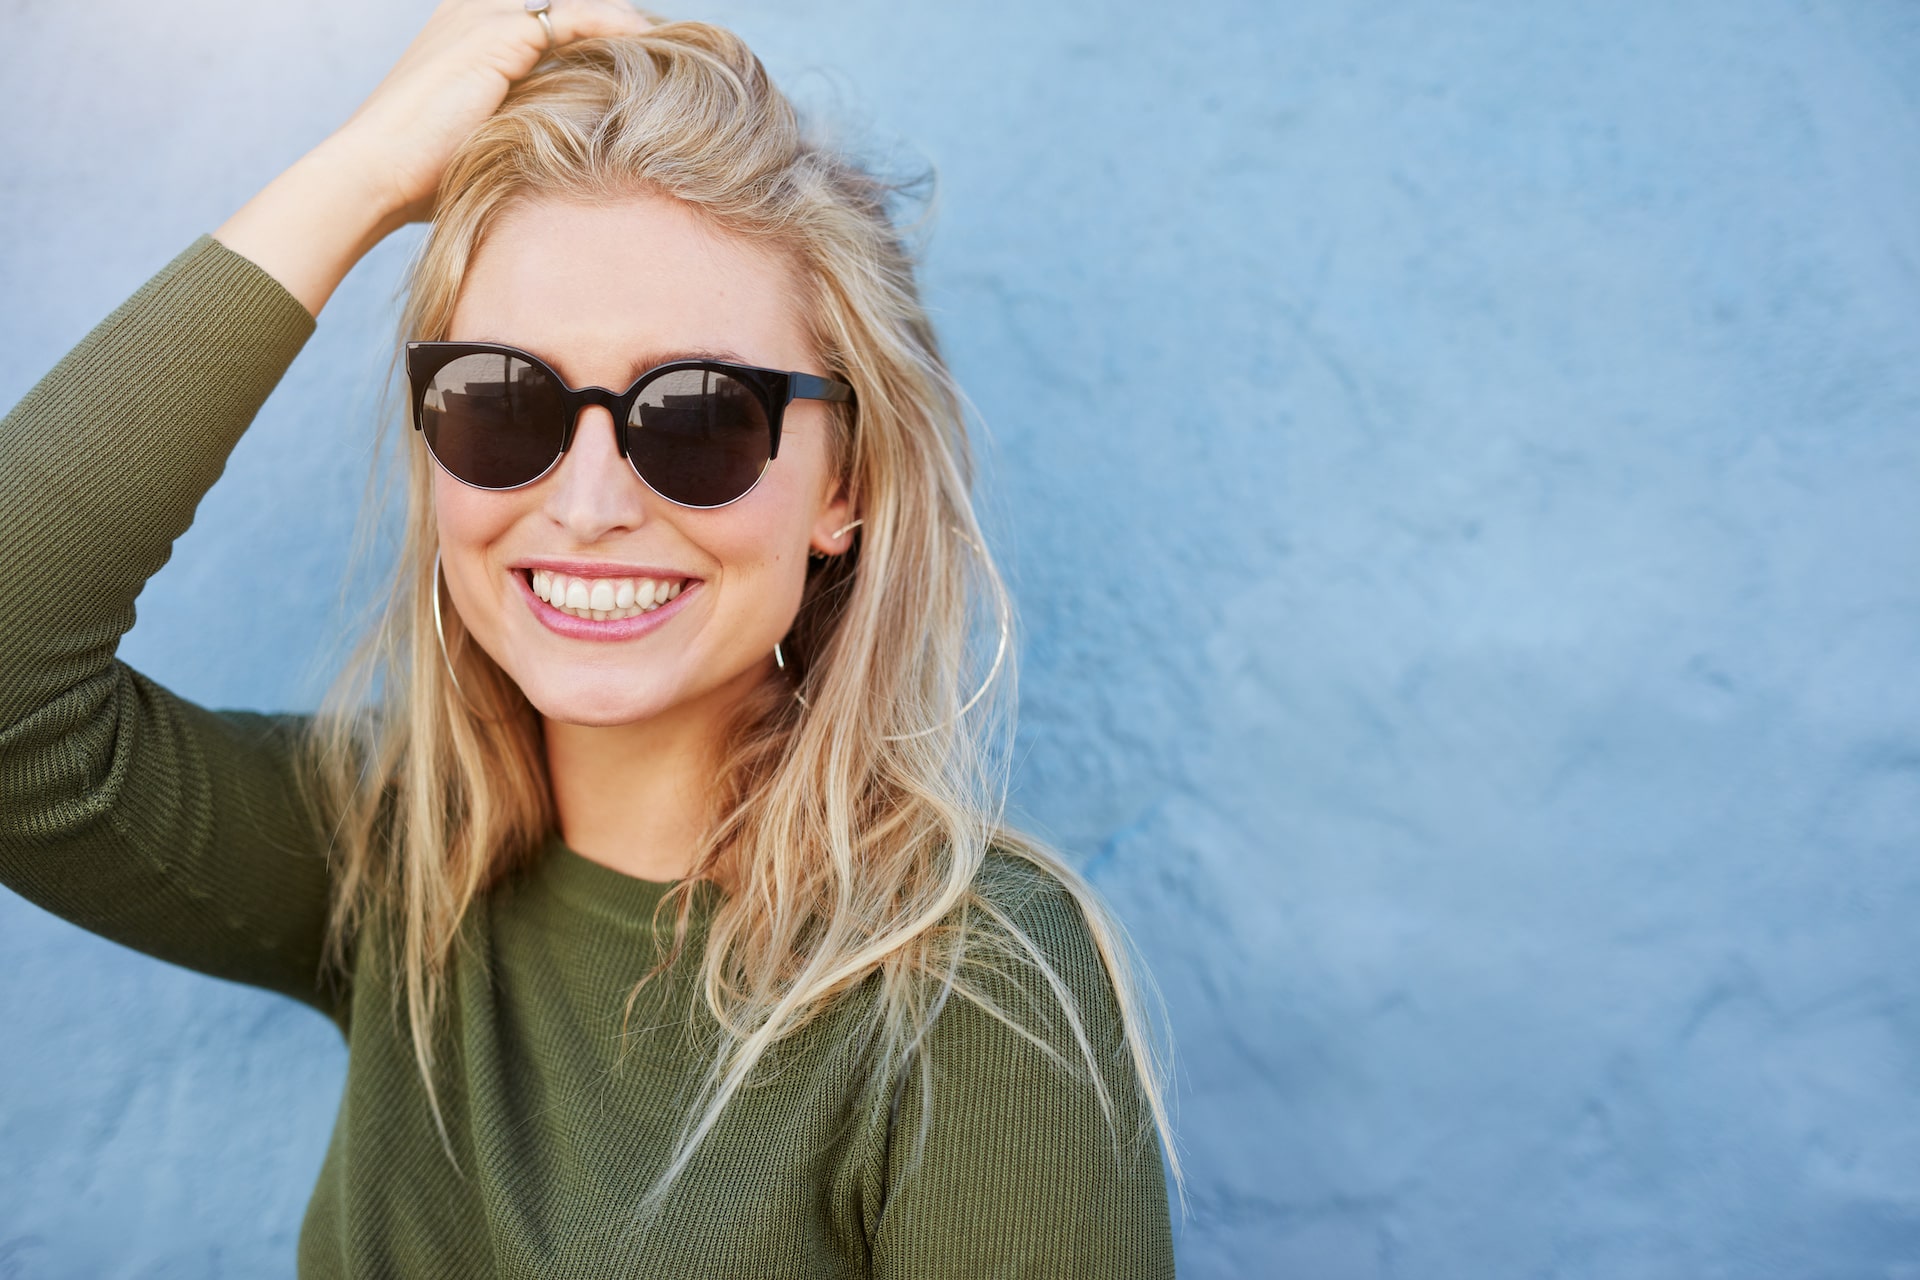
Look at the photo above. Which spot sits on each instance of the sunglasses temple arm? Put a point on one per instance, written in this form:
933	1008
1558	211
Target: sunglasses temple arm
807	386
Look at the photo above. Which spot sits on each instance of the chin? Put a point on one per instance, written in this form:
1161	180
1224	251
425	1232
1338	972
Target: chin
590	714
590	702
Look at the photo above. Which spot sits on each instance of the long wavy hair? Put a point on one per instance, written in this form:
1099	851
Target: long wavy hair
850	830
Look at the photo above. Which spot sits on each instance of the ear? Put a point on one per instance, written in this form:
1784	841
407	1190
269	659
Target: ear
834	525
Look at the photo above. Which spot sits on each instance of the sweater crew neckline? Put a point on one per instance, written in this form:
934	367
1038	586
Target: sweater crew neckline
579	879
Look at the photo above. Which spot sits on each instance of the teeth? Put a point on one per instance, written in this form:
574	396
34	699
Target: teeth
603	599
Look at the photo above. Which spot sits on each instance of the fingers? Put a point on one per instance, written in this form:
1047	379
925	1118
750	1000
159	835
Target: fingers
585	19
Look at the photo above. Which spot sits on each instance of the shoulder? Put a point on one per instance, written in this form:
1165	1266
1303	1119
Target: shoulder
1040	980
1023	1143
1031	903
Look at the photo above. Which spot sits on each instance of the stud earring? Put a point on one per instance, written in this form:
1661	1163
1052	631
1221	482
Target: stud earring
835	535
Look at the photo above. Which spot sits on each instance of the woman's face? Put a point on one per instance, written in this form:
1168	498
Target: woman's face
603	292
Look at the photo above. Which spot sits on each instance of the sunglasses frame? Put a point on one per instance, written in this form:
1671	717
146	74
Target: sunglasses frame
776	388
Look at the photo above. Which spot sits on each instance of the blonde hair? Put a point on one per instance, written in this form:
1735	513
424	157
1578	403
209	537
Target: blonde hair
851	832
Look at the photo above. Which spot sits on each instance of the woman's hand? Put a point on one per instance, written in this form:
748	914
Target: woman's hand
380	169
451	78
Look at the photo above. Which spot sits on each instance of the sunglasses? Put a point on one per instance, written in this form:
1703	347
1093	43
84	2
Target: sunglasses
699	433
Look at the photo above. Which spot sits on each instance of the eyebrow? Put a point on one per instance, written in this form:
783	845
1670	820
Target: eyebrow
654	360
641	363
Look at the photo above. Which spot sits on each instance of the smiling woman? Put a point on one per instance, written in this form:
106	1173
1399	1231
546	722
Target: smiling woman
675	824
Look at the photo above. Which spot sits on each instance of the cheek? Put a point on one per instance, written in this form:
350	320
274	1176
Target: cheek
759	548
467	517
469	522
761	552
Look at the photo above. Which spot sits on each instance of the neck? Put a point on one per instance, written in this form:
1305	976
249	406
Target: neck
639	797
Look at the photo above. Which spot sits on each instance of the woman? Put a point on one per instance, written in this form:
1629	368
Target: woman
660	892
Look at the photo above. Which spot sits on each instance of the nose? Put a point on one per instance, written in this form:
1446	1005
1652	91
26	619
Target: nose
594	492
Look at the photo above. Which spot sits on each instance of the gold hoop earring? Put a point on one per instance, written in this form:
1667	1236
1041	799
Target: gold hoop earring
439	629
993	672
780	661
440	632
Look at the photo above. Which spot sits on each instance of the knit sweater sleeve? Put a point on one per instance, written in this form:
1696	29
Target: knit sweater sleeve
1006	1166
131	812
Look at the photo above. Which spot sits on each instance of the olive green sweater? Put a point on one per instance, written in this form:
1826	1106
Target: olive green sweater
176	830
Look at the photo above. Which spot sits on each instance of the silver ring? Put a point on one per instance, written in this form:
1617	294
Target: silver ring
538	8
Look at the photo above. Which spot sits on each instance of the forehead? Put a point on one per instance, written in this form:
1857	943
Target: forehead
603	290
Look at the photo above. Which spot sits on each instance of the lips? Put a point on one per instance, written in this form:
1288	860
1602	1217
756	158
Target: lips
616	624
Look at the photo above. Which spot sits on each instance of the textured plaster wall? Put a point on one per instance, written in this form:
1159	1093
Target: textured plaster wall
1459	464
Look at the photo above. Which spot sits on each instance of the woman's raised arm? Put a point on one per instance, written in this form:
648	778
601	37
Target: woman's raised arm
381	168
124	809
129	811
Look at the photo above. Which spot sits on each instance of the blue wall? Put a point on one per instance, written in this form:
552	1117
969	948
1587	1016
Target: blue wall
1459	463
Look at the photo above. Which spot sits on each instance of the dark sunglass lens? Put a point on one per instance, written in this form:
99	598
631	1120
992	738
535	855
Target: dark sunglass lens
493	420
699	436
